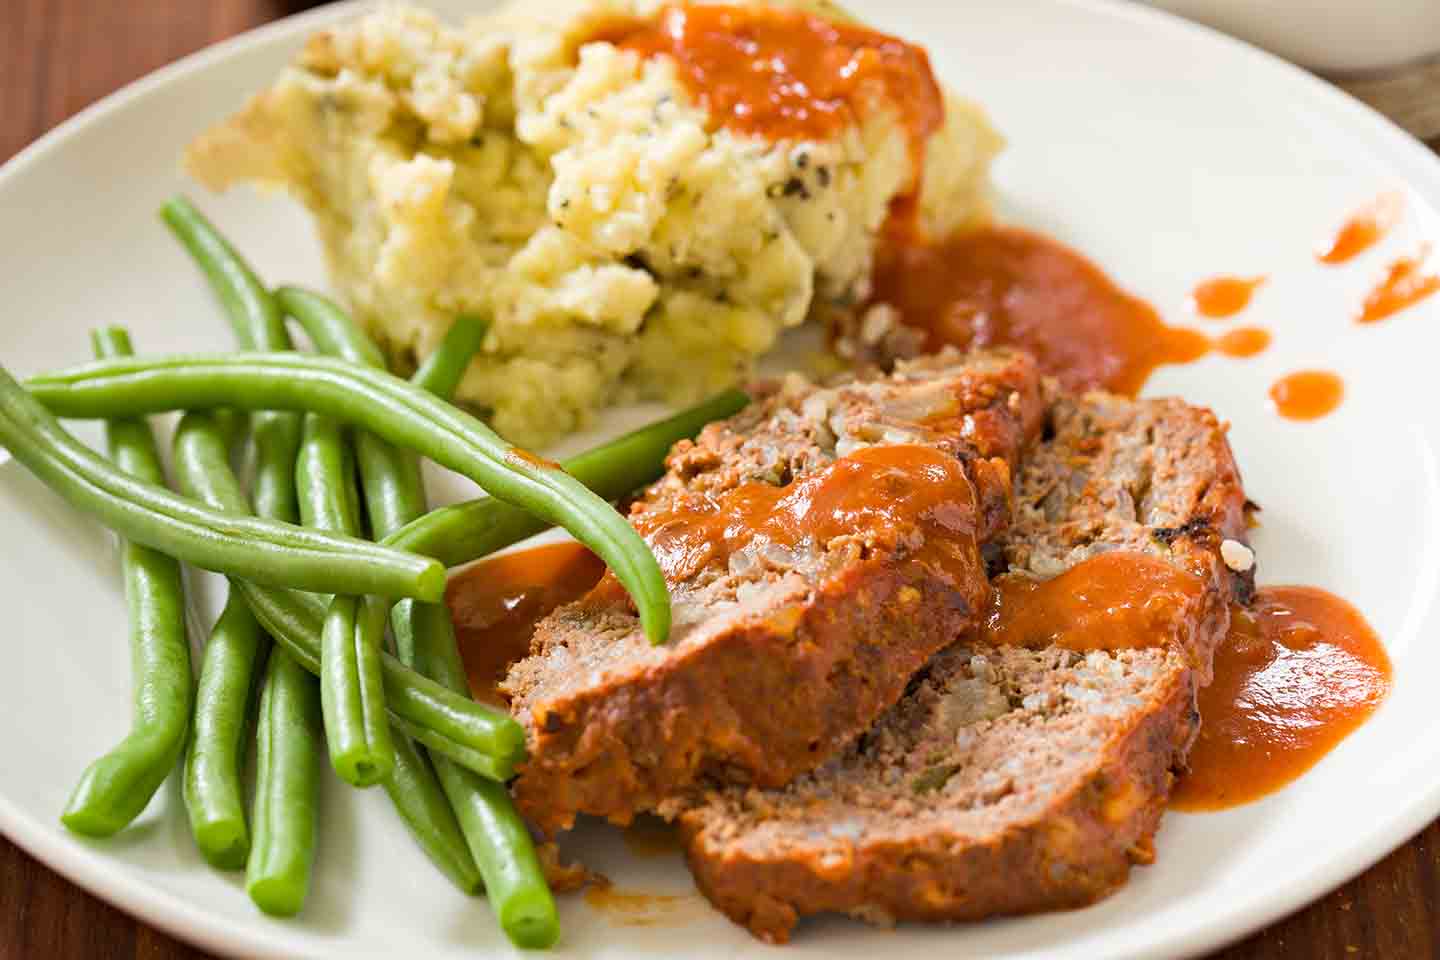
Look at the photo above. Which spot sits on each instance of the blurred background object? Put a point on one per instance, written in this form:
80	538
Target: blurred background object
1385	52
1332	37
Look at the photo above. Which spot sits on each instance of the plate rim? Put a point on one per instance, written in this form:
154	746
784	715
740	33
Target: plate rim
95	870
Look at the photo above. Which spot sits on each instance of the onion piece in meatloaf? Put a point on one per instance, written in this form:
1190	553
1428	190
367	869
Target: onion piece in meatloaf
1021	776
820	547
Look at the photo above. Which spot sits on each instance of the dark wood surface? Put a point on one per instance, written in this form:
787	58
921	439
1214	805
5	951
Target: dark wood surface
56	57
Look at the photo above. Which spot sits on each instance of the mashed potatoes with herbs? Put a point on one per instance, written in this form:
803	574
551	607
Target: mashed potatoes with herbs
621	243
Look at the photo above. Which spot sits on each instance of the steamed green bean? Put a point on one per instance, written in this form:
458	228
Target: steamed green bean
384	405
214	800
287	788
117	787
351	689
152	516
443	370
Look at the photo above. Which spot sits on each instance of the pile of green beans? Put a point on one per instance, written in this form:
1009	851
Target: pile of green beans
497	838
334	441
258	322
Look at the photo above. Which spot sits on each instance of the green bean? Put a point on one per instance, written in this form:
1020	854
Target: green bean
204	472
384	405
232	655
287	789
149	515
117	787
213	797
499	840
259	324
256	318
325	478
212	792
329	327
443	370
425	810
352	688
476	528
351	692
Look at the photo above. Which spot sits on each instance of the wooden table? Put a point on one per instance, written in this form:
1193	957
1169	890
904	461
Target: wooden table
57	56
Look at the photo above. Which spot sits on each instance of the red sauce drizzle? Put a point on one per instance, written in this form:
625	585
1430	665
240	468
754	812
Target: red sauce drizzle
1224	296
1243	341
1364	228
496	603
1111	601
634	908
877	493
1300	670
1004	285
787	74
1307	394
1405	283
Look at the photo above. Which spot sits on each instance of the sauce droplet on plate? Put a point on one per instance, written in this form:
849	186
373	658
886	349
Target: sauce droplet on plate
1364	228
1243	341
1405	283
1299	671
1307	394
1224	296
496	603
1007	286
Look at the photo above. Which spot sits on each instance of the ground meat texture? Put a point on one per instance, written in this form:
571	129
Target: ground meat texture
1009	779
795	626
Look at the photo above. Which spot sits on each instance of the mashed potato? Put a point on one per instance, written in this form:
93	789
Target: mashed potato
620	242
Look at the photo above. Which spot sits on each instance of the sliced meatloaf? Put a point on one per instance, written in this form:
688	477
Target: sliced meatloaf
820	547
1027	767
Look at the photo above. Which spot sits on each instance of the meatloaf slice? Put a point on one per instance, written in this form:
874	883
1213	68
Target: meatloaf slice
1028	774
820	547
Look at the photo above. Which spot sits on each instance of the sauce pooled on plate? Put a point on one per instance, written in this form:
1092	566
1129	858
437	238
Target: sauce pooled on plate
1007	286
1300	670
496	603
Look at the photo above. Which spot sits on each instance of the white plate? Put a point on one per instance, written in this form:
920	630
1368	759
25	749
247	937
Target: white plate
1165	151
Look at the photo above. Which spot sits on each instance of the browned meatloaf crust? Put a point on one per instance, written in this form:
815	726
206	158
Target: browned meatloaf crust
782	651
1010	779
